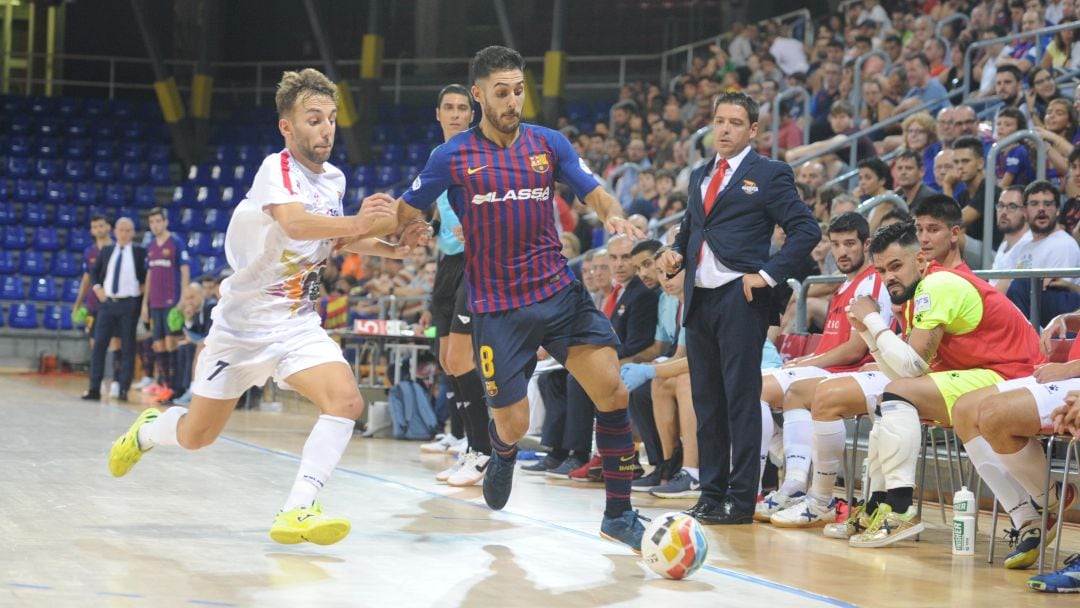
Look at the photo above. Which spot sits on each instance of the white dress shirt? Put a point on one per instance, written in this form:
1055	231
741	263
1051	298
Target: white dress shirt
129	280
710	272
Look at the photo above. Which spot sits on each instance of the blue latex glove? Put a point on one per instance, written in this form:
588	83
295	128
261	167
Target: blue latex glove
636	374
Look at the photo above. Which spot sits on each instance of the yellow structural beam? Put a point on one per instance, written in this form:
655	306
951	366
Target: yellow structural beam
371	57
531	108
202	90
554	73
172	107
346	109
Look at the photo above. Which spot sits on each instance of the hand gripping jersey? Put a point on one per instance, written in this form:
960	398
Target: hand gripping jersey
276	280
503	197
838	327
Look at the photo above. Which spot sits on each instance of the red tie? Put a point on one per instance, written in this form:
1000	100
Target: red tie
714	184
613	297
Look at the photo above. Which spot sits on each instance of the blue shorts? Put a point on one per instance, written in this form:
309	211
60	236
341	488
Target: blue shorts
506	342
159	324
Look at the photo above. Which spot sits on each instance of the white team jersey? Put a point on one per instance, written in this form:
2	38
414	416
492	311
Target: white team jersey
866	288
276	280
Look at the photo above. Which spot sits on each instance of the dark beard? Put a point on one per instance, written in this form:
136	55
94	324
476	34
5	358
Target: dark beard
906	295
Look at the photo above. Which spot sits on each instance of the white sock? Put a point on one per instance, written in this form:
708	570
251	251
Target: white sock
1028	468
322	452
767	428
694	472
798	436
1009	493
162	431
828	449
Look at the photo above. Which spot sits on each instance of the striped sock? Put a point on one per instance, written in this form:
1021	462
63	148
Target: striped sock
615	442
504	450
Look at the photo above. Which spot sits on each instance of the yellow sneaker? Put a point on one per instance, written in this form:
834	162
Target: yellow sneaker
308	524
125	451
858	520
887	528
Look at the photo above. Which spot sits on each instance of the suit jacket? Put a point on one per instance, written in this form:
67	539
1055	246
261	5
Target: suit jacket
634	319
101	265
740	224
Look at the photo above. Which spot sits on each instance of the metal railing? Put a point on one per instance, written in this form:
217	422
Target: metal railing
856	86
775	117
843	177
889	197
991	162
947	20
800	288
1036	34
619	171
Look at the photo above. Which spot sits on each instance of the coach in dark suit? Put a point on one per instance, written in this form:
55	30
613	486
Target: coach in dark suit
118	278
734	203
631	306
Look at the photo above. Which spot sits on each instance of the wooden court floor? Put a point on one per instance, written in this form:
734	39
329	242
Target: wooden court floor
190	529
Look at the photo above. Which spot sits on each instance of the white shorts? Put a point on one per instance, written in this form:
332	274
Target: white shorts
230	364
787	376
1048	397
872	385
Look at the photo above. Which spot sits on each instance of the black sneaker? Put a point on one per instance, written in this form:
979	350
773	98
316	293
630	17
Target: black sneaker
498	481
543	466
563	470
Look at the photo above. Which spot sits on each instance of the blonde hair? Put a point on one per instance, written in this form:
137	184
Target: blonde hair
295	86
924	120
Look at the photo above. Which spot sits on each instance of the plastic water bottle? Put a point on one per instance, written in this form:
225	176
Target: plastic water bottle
964	512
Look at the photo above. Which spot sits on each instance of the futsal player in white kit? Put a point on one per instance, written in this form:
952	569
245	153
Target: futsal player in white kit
267	323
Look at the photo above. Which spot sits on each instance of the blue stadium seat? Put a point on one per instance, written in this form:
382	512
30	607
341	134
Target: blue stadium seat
39	106
9	214
362	175
132	151
433	134
157	153
76	170
14	238
95	107
115	195
242	175
228	198
66	264
103	132
46	238
8	262
11	288
57	192
68	106
48	147
78	127
67	216
32	263
36	214
19	146
393	154
43	289
76	149
199	243
417	154
159	174
50	126
20	124
47	168
213	264
184	195
387	175
78	241
69	292
87	193
23	315
199	174
208	196
12	104
28	191
104	171
216	219
122	108
145	197
133	173
246	153
130	213
56	316
217	243
19	167
190	220
384	134
225	154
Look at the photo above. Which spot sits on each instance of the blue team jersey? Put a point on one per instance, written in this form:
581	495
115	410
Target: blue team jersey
504	198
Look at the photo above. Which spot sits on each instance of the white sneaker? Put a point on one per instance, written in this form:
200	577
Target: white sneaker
441	444
114	389
807	513
773	502
460	446
145	382
444	476
471	472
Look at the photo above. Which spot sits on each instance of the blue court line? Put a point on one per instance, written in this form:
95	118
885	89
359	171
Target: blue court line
118	594
29	586
210	603
729	573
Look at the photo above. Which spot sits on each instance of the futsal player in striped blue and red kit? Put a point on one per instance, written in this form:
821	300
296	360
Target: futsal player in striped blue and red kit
501	177
167	277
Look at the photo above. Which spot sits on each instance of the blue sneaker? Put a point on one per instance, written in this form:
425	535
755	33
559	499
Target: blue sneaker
1066	580
498	481
626	528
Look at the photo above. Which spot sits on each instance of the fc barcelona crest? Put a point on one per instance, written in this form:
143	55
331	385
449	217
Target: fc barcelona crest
540	163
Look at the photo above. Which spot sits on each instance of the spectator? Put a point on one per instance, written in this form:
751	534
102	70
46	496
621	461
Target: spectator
1012	222
877	108
934	49
943	167
742	43
893	47
873	11
1050	247
968	158
789	53
874	180
823	99
1043	90
1061	135
624	187
811	173
1008	86
985	69
1055	11
1063	52
924	90
1016	167
909	171
842	122
1070	210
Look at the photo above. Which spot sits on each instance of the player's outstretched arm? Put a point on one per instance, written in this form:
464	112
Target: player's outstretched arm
417	231
610	212
301	225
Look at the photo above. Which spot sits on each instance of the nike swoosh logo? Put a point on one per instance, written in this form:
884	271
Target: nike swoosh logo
625	458
476	170
305	517
464	320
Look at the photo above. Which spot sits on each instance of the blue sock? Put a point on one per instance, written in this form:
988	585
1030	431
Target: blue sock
615	442
504	450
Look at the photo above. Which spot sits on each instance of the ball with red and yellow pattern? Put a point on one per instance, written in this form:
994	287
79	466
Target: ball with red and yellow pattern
674	545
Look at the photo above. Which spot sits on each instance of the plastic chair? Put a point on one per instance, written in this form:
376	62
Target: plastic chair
23	315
